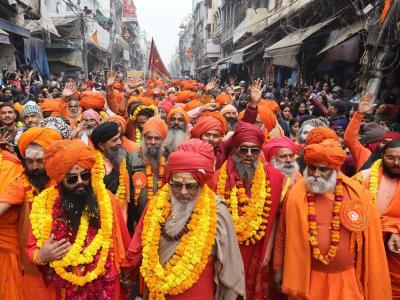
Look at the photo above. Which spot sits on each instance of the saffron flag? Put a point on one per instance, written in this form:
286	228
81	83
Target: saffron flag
95	38
156	66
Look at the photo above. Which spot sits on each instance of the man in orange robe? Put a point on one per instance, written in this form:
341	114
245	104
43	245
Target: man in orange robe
10	273
14	201
386	197
70	164
329	243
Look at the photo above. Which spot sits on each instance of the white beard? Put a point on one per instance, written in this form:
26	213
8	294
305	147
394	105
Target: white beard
320	185
174	138
288	169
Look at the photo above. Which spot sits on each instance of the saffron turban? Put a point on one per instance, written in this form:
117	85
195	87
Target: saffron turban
391	135
41	136
193	156
157	125
228	108
118	86
328	152
104	132
120	120
271	105
204	124
92	114
267	116
57	107
276	144
93	100
188	86
166	105
223	99
62	155
186	96
178	110
319	134
247	133
192	105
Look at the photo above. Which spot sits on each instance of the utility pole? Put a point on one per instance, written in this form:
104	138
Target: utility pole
84	45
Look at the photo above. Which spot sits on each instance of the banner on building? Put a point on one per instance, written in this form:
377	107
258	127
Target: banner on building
129	11
157	69
135	75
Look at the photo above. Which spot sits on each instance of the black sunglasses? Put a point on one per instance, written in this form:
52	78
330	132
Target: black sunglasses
245	150
191	187
72	179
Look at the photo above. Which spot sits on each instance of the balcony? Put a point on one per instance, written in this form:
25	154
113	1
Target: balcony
227	32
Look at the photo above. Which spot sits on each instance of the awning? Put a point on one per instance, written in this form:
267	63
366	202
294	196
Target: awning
4	37
238	55
215	65
290	45
101	18
203	67
343	35
9	27
119	40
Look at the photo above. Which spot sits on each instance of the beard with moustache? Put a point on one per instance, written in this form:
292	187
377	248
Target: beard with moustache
115	155
320	185
388	172
151	152
288	169
73	204
231	122
176	135
245	172
38	178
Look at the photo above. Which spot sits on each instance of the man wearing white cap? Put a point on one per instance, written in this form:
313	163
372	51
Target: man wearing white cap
32	115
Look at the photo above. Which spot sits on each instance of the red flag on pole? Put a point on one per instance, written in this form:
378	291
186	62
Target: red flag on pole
156	66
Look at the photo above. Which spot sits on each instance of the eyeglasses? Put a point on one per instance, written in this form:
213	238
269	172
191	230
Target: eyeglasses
245	150
190	187
72	179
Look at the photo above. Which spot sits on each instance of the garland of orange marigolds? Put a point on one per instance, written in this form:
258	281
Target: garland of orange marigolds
250	214
191	255
41	218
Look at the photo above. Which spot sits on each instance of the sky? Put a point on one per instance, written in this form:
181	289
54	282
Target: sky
161	19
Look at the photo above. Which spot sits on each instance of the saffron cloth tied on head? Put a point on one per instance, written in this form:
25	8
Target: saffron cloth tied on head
157	125
328	152
41	136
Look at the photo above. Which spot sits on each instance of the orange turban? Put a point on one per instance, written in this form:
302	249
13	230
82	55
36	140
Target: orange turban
328	152
319	134
157	125
267	117
118	86
180	111
93	100
223	99
57	107
62	155
271	104
186	96
41	136
204	124
120	120
192	105
188	86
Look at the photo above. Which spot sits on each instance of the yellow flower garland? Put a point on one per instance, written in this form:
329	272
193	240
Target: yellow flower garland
138	136
250	215
374	179
191	255
41	218
141	107
29	189
123	174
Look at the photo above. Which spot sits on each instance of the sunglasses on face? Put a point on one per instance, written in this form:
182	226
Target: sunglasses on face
245	150
72	179
191	187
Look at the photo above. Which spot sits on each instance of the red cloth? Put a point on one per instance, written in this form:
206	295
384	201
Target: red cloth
93	100
276	144
192	156
328	152
247	133
166	104
391	135
204	124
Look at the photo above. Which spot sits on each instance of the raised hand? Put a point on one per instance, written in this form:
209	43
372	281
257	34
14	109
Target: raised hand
212	84
69	89
111	79
256	90
365	104
5	142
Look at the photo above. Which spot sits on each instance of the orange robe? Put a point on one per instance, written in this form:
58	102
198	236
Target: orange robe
388	204
10	272
362	274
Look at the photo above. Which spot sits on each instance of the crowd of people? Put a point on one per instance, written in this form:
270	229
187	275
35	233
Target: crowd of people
118	189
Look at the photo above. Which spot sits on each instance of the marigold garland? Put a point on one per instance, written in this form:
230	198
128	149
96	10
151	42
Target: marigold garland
326	259
250	214
123	175
374	179
138	136
41	218
141	107
191	255
30	190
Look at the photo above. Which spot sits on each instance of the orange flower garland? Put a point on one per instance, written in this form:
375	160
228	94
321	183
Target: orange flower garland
191	255
335	224
30	190
250	214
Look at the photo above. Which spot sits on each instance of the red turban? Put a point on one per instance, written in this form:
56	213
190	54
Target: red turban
193	156
223	99
93	100
247	133
62	155
267	116
328	152
120	120
172	98
276	144
180	111
204	124
217	116
391	135
157	125
319	134
41	136
167	105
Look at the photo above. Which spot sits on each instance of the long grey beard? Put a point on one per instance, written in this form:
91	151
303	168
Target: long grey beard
115	156
288	169
152	153
174	138
320	185
245	172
